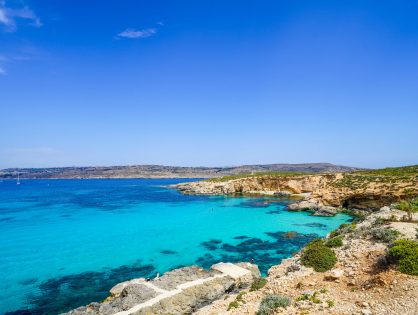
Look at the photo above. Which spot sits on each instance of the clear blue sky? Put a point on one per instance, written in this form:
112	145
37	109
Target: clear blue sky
208	82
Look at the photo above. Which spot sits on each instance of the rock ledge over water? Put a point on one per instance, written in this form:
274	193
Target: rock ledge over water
180	291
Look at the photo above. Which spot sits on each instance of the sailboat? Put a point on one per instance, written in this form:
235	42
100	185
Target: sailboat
18	179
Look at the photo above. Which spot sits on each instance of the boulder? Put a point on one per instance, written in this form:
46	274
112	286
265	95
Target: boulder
251	267
117	289
335	274
326	211
303	205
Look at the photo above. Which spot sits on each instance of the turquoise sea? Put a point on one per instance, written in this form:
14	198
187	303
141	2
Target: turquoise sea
65	243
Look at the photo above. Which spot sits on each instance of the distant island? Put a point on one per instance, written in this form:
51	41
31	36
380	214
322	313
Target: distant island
160	171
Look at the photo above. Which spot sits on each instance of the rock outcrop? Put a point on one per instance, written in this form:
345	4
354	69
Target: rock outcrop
180	291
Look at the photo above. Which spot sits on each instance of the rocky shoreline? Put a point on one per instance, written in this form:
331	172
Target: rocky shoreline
180	291
362	281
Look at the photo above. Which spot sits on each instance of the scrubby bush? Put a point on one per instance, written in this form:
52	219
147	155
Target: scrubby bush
343	229
310	297
335	241
358	215
240	296
405	254
409	206
334	233
271	302
379	221
318	256
258	284
238	299
384	234
303	297
330	303
233	304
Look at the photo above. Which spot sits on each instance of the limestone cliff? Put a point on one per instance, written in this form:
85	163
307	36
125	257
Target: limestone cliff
362	190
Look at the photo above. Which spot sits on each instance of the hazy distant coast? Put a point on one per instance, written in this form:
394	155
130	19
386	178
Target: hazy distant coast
160	171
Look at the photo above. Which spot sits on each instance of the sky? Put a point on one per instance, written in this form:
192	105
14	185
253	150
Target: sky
208	83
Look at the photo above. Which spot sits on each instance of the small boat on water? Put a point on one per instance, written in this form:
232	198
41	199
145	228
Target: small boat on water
18	179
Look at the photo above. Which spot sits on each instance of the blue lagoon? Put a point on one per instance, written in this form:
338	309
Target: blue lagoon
65	243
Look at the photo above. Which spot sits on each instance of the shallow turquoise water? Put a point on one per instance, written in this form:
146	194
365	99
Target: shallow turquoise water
65	243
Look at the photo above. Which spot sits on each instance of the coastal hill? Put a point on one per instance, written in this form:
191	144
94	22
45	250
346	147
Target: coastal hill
160	171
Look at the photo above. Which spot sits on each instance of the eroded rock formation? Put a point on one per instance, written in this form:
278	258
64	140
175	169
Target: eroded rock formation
349	190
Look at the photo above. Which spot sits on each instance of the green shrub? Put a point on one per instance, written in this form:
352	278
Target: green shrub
232	305
311	297
240	296
238	299
330	303
343	229
409	206
318	256
405	254
384	234
303	297
258	284
335	241
271	302
334	233
379	221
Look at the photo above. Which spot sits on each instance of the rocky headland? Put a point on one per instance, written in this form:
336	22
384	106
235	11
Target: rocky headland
324	192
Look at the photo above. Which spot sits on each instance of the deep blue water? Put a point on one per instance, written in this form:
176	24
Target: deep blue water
65	243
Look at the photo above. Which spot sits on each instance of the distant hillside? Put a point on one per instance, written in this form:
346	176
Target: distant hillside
159	171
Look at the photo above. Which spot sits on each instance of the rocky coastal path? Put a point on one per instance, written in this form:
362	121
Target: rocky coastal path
177	292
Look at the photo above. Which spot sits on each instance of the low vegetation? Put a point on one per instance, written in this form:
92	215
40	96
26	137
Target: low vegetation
258	284
310	297
318	256
386	176
336	241
409	206
233	304
272	302
344	228
405	254
392	171
238	299
383	234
